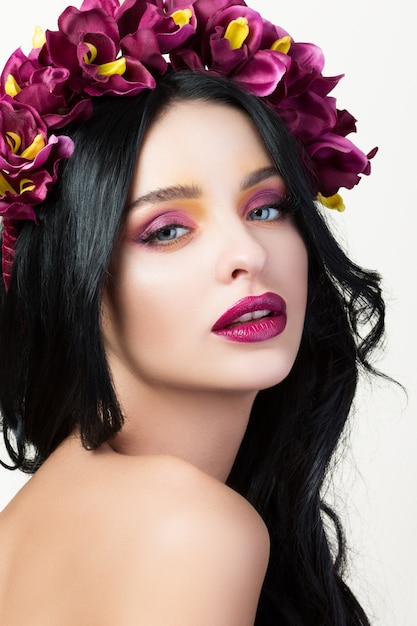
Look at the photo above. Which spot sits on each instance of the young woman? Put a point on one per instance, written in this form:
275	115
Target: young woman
180	333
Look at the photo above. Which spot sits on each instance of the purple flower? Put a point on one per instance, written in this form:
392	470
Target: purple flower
229	42
29	159
166	25
263	72
338	163
232	37
88	45
307	62
46	89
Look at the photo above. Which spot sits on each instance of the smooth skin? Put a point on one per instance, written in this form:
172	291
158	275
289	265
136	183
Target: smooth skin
143	531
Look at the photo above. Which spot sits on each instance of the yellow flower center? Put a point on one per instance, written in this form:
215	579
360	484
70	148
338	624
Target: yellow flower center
182	17
105	69
26	185
38	38
91	54
35	147
114	67
14	141
11	87
4	186
237	32
332	202
282	45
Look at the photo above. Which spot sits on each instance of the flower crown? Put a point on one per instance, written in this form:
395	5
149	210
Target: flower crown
105	48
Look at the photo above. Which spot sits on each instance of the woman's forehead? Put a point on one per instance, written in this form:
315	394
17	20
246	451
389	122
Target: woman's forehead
194	140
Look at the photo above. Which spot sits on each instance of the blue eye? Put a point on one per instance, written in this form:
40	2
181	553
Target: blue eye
165	234
169	233
264	214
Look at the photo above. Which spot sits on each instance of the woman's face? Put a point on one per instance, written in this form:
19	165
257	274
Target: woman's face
208	285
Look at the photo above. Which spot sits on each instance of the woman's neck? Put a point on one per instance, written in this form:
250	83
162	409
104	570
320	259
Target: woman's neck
203	428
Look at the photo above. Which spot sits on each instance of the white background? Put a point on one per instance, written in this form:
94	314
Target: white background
373	43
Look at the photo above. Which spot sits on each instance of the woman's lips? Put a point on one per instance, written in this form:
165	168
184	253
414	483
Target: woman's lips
254	318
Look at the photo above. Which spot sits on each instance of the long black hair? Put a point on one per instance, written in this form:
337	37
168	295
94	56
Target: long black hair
55	377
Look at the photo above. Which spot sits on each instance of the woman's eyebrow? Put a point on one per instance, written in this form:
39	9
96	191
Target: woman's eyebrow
164	194
258	176
181	192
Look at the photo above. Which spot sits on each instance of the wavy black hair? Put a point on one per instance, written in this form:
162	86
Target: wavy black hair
54	376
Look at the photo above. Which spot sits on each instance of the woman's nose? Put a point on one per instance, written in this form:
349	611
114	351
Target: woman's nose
240	254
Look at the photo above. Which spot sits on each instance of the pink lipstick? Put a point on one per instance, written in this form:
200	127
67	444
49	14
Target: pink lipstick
255	318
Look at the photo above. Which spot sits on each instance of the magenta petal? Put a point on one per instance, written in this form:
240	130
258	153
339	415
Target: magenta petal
74	24
175	5
143	45
339	163
63	53
129	16
79	111
106	49
55	79
186	59
372	153
315	116
62	147
206	9
8	247
16	209
263	72
346	123
19	118
168	41
41	99
270	34
307	56
136	79
223	59
19	67
322	85
109	6
306	64
55	110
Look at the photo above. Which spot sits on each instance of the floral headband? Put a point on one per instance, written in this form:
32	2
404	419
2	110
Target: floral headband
110	49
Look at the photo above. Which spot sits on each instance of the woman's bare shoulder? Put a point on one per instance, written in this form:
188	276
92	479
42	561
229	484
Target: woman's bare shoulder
153	539
199	551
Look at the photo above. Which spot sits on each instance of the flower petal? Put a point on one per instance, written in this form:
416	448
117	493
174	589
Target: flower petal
143	45
263	72
8	248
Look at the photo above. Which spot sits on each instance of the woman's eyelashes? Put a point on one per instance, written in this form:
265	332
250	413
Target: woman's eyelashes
175	227
166	230
165	235
264	214
268	207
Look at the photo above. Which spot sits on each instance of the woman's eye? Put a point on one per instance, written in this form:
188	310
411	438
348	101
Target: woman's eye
166	234
264	214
